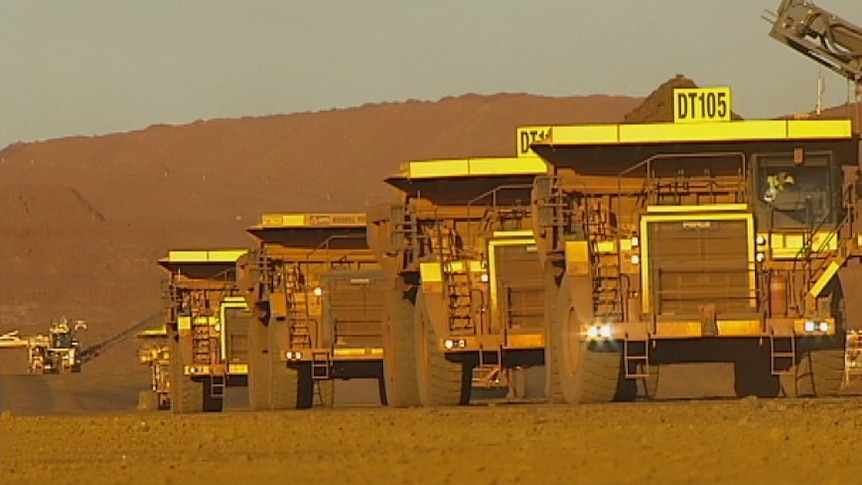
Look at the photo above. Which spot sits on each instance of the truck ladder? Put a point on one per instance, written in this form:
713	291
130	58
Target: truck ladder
553	210
201	342
782	352
487	375
607	280
300	336
636	357
405	233
820	264
321	361
217	385
458	286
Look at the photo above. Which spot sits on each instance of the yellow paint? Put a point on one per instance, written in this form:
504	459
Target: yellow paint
525	341
337	219
474	167
824	279
237	369
205	256
526	136
184	323
430	272
606	247
664	209
739	328
788	246
646	289
577	258
800	129
156	332
525	233
754	130
357	352
697	105
687	329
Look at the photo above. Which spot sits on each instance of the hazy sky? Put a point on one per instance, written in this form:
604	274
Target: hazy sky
94	67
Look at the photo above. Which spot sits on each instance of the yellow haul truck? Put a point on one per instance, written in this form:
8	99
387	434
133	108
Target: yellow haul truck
713	241
318	295
207	321
468	310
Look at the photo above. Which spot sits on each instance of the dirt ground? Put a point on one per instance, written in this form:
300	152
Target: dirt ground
705	441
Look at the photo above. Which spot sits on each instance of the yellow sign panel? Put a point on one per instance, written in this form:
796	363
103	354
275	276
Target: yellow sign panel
527	135
692	105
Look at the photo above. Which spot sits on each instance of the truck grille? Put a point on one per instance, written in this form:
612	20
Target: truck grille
521	291
694	263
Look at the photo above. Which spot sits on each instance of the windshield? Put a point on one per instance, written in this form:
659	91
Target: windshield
799	195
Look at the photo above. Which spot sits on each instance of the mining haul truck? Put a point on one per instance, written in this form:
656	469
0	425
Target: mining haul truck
697	242
469	307
319	296
207	323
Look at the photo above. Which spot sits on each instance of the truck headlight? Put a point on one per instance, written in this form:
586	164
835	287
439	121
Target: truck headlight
606	331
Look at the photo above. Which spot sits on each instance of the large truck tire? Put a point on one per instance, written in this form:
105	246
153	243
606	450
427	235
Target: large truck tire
818	372
259	371
441	382
187	395
753	372
292	386
148	400
398	387
325	393
591	371
553	385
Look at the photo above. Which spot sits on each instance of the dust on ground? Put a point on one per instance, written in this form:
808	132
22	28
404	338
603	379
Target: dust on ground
724	441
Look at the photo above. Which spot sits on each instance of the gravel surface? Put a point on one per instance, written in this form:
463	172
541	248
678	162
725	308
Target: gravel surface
703	441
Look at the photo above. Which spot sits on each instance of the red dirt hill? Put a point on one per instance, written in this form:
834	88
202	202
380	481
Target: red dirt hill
85	218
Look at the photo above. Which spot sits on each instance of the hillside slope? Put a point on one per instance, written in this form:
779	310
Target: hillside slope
85	218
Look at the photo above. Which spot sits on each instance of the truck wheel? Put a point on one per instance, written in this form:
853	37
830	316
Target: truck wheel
186	395
148	400
325	395
259	372
648	386
752	372
818	372
441	382
292	386
553	385
398	383
590	371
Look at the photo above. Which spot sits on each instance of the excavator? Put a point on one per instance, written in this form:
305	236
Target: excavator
823	36
835	43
